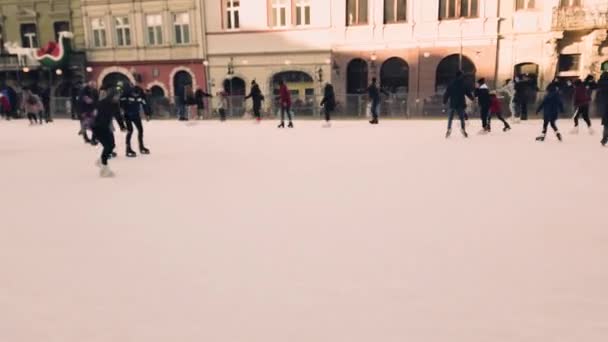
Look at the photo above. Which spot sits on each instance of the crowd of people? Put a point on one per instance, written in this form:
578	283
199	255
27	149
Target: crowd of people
126	104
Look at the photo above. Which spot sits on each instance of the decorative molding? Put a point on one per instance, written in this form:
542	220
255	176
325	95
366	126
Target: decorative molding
106	71
158	84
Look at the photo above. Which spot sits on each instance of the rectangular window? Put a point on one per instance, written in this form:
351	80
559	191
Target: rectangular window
29	36
356	12
98	28
60	26
454	9
302	12
568	63
232	14
570	3
395	11
181	27
154	27
521	5
123	31
279	10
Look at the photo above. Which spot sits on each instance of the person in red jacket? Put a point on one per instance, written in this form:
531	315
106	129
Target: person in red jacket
5	106
582	98
496	109
285	103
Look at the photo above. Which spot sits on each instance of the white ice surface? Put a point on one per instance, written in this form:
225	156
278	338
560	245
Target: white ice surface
241	233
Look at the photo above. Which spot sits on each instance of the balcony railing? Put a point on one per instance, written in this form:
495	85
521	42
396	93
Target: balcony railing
581	17
8	62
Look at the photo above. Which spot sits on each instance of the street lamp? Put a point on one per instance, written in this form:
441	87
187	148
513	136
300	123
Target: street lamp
59	72
25	69
426	55
89	69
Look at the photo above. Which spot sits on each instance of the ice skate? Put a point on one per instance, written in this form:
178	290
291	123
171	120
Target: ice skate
559	136
448	133
574	131
94	142
113	154
464	133
144	150
506	129
130	153
604	142
541	137
373	121
105	172
281	125
290	125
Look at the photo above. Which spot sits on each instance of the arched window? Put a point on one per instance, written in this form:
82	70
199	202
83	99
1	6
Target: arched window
157	92
449	66
394	75
115	79
356	76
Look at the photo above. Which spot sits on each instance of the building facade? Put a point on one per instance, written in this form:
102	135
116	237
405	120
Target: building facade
413	47
26	26
156	43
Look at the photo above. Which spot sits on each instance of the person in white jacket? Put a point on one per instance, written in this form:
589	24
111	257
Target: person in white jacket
509	89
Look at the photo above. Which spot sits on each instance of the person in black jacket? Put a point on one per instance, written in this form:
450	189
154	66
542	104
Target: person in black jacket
373	92
256	96
602	101
551	106
456	93
132	102
482	93
107	109
328	103
199	97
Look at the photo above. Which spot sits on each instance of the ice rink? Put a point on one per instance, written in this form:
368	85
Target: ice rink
242	233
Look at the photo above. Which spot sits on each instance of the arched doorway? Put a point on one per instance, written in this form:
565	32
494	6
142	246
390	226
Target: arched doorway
302	88
395	75
604	67
447	69
115	79
158	101
394	78
356	76
181	79
528	72
235	88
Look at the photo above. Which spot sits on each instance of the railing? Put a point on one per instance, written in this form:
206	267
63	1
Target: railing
580	17
9	62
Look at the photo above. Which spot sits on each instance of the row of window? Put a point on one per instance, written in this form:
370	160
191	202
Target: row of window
155	33
29	33
357	11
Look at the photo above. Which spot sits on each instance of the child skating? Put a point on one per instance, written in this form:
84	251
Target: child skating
551	106
582	99
496	110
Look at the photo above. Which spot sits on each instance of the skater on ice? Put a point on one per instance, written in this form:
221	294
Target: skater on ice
107	109
200	96
373	92
328	103
482	93
496	110
551	106
602	101
132	102
31	105
582	99
88	98
456	95
255	94
285	103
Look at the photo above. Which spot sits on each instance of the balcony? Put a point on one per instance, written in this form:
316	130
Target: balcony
8	62
580	17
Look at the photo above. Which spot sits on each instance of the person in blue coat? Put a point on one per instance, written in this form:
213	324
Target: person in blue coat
551	106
